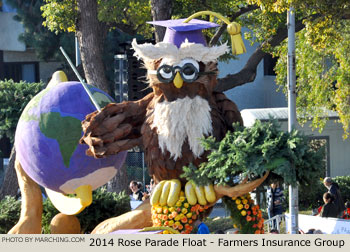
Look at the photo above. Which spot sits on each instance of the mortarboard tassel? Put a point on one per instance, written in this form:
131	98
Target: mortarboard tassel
234	29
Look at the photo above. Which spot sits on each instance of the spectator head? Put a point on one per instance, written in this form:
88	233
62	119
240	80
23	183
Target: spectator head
318	231
134	186
328	197
347	204
219	232
327	182
310	231
274	231
274	184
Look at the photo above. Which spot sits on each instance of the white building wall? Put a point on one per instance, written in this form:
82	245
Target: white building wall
10	30
339	148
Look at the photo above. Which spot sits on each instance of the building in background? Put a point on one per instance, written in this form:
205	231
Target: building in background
17	61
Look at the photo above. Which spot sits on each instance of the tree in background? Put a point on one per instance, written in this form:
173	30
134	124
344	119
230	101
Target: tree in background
91	21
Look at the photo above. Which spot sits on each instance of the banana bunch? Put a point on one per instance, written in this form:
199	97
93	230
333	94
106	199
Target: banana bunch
202	194
167	192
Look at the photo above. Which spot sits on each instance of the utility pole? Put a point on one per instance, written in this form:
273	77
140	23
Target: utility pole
77	52
293	190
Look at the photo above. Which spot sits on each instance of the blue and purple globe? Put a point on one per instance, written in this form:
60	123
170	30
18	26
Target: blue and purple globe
47	139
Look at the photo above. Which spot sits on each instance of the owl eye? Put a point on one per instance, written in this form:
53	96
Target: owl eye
165	73
189	70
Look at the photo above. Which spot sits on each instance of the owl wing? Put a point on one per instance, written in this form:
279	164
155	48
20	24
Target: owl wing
116	128
228	110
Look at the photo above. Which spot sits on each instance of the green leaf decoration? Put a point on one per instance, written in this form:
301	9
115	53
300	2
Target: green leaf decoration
255	150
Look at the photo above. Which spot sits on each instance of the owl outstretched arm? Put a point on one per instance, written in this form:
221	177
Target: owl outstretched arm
228	110
116	128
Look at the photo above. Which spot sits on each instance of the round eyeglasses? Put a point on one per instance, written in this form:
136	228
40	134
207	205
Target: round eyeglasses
189	72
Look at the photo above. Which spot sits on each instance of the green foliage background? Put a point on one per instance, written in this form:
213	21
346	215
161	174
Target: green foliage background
10	209
13	99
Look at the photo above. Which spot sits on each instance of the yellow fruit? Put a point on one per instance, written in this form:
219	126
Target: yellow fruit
190	193
200	195
175	188
157	192
165	193
210	193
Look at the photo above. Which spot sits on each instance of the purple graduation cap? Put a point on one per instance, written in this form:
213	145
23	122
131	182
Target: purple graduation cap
177	31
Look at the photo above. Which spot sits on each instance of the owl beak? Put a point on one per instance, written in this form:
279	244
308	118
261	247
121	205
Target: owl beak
178	80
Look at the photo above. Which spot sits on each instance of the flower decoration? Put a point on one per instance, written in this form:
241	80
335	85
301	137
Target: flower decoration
246	216
180	217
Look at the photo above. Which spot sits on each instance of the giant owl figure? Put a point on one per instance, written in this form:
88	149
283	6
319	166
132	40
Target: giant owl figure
183	107
169	122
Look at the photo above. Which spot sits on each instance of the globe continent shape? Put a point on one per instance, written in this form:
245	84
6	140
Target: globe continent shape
47	139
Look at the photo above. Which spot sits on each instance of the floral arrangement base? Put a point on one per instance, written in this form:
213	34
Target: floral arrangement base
246	216
180	217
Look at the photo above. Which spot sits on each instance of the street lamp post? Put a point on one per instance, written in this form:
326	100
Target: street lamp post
293	190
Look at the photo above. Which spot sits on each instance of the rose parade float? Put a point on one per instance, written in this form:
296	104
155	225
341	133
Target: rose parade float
196	148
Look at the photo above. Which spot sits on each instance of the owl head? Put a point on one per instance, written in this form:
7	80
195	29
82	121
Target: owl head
181	65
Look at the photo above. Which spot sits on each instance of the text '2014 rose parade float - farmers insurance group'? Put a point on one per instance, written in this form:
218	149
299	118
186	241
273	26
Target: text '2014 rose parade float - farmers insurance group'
189	133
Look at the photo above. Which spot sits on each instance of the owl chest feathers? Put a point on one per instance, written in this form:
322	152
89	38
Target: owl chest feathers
180	120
